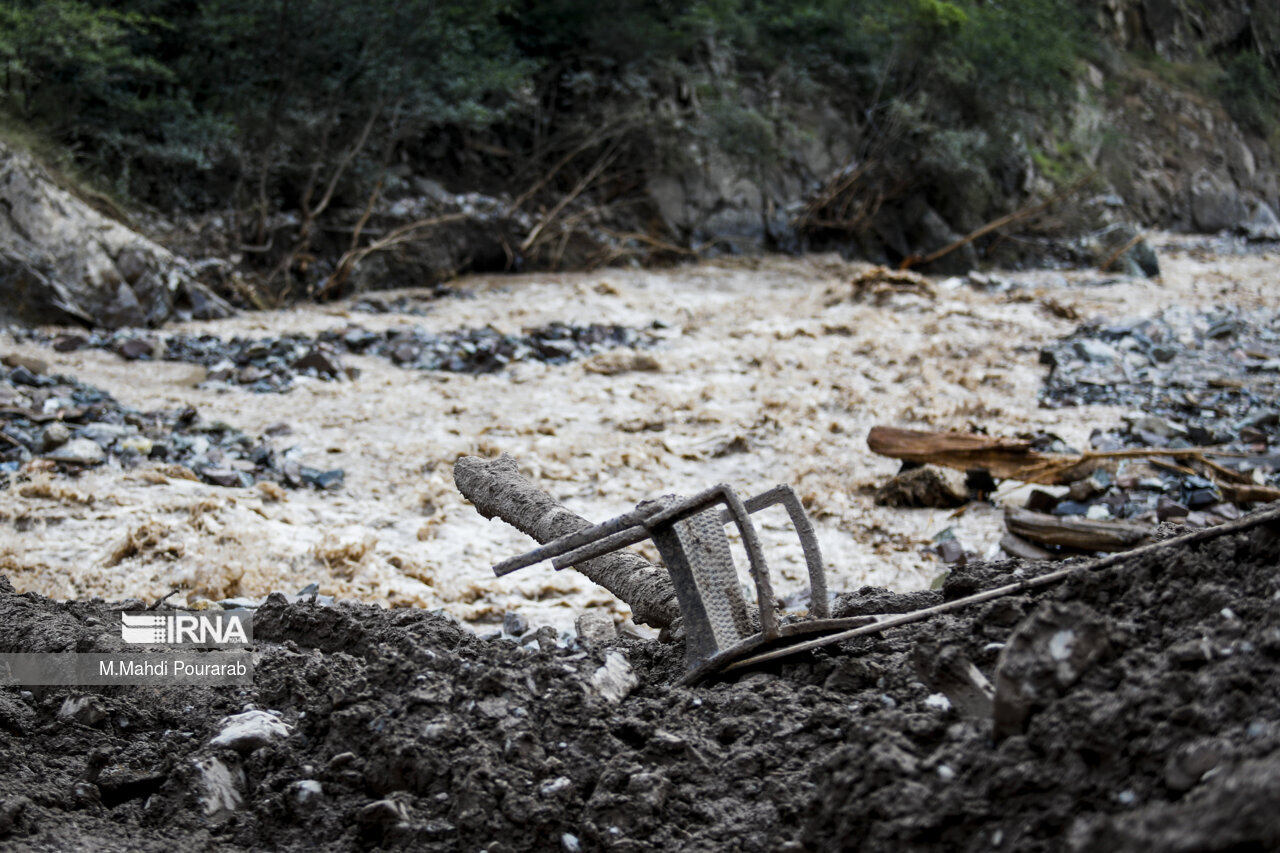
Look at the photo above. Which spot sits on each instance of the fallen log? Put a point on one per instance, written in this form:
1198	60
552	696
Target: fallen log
1084	534
1013	459
496	488
1005	458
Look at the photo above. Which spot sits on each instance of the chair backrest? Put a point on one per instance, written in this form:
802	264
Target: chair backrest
697	556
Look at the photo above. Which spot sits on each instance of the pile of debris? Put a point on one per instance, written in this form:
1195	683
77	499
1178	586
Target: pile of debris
55	422
271	365
1098	500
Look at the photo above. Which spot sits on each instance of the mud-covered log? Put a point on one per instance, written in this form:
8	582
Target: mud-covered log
496	488
1084	534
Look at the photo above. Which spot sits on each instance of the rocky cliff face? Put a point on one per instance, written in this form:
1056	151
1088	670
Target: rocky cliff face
62	261
1171	156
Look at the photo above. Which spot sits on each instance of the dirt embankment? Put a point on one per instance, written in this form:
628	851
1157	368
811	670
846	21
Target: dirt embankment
1144	717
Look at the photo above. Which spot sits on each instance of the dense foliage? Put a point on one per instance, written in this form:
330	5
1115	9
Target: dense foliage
259	108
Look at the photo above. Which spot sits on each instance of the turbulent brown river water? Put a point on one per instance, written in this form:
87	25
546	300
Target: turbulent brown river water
770	373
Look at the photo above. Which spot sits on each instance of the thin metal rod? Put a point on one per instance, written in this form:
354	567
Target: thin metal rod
819	607
574	540
755	556
601	547
1010	589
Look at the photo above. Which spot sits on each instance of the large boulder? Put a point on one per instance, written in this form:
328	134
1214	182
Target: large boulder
61	260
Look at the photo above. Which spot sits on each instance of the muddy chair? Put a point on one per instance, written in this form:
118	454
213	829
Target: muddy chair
720	627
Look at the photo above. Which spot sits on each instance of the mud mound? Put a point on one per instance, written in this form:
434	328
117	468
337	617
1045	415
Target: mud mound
1152	726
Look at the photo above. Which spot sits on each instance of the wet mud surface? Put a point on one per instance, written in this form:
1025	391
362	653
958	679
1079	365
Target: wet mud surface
1135	709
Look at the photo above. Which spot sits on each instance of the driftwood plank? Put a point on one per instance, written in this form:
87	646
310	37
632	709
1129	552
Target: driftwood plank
1005	458
1084	534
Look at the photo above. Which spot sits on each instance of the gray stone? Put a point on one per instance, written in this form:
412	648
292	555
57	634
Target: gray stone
1215	202
1264	225
131	264
614	681
55	435
86	710
1095	351
306	793
514	624
668	195
383	813
322	363
123	310
79	451
204	303
595	627
135	348
249	730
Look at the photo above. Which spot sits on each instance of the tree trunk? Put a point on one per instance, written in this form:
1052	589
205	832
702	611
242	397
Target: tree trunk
496	488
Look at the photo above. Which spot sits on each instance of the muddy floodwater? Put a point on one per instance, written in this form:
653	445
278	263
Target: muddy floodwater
767	371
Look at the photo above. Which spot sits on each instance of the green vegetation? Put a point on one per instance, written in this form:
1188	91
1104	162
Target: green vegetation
291	117
1251	92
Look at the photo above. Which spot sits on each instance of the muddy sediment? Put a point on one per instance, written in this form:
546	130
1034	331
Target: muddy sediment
1157	730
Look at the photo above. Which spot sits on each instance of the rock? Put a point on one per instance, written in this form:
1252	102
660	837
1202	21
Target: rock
383	819
21	375
123	309
37	366
1095	351
86	710
1186	767
546	638
332	479
69	343
1167	508
64	259
249	730
1041	501
225	477
558	785
1045	655
79	451
307	793
55	435
925	486
1215	202
595	627
135	348
951	551
1264	225
614	681
320	362
514	624
132	265
138	444
203	303
219	787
